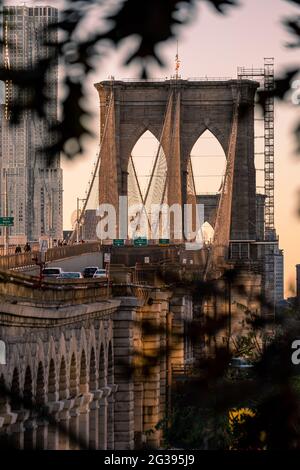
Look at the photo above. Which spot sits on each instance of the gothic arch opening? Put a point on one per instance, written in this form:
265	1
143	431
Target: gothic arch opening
142	186
207	233
28	393
110	366
110	409
209	164
83	383
40	385
2	352
73	377
93	377
52	381
102	375
4	439
2	388
143	155
15	390
62	386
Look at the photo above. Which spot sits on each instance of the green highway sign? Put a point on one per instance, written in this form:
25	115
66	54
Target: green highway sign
164	241
6	221
118	242
140	241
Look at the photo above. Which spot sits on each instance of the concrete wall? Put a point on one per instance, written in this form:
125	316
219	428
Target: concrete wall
103	370
65	369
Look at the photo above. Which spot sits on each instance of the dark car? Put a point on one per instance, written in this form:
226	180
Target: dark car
89	271
240	368
240	363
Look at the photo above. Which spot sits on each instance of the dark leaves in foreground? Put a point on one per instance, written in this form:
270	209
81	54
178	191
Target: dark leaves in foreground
151	21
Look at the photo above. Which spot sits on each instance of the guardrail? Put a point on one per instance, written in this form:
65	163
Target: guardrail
173	78
150	80
27	259
210	79
12	249
19	286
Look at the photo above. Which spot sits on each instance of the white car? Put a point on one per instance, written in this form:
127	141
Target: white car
100	273
53	273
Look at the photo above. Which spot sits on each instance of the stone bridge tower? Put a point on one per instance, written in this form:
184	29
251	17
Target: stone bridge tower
142	105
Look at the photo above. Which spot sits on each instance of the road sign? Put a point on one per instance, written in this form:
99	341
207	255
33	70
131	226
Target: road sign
44	244
118	242
140	241
164	241
6	221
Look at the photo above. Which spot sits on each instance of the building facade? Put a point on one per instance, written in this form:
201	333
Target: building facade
298	282
279	275
33	185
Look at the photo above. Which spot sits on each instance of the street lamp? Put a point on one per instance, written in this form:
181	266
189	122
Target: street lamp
6	173
78	217
51	229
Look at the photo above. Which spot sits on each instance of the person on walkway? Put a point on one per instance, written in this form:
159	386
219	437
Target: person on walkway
27	248
18	249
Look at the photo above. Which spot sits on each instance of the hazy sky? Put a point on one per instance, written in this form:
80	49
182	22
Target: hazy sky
215	45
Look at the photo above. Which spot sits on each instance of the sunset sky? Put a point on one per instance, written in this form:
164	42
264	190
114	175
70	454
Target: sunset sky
214	45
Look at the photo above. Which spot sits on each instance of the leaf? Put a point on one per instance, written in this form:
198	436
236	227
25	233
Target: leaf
71	129
294	1
293	27
282	86
220	5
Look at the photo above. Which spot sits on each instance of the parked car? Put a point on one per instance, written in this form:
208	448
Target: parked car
100	273
240	363
70	275
239	368
52	272
89	271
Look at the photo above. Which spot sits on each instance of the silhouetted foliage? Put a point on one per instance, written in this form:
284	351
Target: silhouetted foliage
203	400
151	21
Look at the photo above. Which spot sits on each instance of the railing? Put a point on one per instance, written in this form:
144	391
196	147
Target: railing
137	290
144	80
184	371
28	288
67	251
12	249
167	79
209	79
27	259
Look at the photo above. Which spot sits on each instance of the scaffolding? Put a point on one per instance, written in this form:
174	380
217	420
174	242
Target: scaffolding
265	77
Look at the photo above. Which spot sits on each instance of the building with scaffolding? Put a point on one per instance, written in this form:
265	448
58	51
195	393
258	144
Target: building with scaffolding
31	188
272	256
